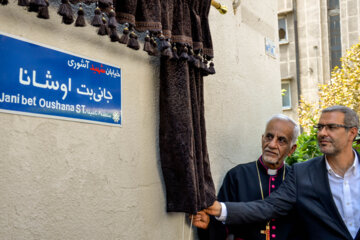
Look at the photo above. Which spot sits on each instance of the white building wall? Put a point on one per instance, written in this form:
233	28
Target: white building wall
70	180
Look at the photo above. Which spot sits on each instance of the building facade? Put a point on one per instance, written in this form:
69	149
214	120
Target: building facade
74	180
313	35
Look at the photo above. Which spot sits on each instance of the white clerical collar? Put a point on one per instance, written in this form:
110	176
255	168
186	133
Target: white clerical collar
271	172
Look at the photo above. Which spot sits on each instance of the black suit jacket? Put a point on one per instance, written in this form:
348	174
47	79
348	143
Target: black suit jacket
306	188
241	184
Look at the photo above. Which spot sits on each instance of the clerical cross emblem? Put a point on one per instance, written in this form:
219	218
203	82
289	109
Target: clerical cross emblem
266	231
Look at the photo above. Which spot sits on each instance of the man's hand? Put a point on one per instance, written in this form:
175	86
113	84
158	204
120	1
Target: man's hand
200	220
214	209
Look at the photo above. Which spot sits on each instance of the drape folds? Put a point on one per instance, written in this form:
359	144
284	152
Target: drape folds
182	138
182	21
183	149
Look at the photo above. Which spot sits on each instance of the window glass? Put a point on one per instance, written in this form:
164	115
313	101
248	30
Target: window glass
286	94
335	33
282	30
333	4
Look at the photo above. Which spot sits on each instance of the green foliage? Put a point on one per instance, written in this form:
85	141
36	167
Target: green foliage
307	148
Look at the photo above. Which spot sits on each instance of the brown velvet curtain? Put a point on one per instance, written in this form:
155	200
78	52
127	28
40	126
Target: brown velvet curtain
183	149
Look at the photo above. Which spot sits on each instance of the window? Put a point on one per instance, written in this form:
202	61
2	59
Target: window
333	4
283	36
286	94
334	33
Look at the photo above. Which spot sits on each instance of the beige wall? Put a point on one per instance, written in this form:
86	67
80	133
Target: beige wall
71	180
313	49
288	59
246	89
313	46
350	23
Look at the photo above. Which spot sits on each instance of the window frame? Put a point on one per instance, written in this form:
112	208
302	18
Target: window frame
286	39
289	107
334	11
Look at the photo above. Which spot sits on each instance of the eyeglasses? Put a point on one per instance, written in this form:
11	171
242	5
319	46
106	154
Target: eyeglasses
331	126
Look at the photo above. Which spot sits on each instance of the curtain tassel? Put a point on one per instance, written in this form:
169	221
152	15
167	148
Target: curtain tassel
197	62
103	29
175	52
211	69
112	19
148	47
191	56
165	47
154	45
133	42
44	11
80	20
96	21
112	24
66	12
184	53
113	35
203	67
125	37
33	6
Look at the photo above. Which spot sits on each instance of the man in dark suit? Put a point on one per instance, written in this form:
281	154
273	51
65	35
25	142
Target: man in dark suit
325	191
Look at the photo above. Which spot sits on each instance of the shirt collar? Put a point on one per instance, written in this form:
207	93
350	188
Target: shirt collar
271	172
355	165
353	169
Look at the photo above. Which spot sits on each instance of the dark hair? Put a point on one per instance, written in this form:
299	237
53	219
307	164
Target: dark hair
351	118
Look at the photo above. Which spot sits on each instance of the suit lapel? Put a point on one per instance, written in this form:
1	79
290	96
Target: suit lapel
320	181
358	235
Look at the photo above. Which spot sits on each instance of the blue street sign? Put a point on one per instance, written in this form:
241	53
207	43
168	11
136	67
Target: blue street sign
41	81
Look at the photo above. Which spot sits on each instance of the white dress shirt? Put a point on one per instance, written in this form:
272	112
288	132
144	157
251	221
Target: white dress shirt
346	194
223	214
